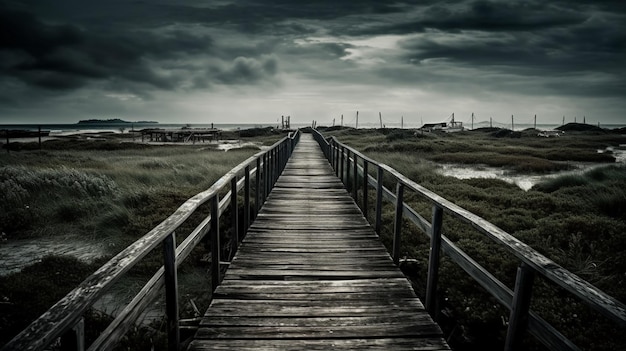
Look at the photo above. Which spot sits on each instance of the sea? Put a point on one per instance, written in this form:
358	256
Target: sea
70	128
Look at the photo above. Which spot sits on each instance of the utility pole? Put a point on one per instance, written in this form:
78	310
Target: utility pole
341	120
333	121
512	124
535	121
402	122
563	121
357	120
380	118
490	122
472	120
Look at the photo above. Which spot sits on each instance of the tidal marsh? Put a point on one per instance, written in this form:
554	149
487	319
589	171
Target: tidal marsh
578	221
107	191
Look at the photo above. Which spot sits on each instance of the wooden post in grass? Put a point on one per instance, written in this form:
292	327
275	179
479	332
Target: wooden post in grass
355	178
74	338
379	199
215	242
365	186
347	182
171	292
246	201
518	320
397	227
234	217
433	260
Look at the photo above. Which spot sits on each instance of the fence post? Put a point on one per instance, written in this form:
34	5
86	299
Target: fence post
171	292
74	338
337	159
270	173
274	166
234	217
215	242
257	186
433	260
379	198
355	181
365	186
397	224
266	183
518	320
347	182
246	202
341	174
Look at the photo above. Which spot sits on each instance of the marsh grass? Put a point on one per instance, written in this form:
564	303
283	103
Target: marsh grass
104	191
577	221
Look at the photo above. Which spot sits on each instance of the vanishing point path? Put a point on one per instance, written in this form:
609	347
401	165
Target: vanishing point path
311	274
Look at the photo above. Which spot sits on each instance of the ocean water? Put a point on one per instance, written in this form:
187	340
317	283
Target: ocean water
116	127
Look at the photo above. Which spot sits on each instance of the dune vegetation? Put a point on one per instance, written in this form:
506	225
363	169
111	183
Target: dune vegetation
107	190
115	192
579	221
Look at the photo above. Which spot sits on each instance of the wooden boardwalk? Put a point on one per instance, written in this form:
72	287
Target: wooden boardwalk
311	274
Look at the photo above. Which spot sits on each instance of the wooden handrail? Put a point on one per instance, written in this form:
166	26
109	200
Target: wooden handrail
63	315
531	260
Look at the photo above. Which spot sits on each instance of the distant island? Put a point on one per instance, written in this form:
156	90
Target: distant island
113	121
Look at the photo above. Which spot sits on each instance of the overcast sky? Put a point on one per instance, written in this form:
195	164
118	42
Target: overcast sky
198	61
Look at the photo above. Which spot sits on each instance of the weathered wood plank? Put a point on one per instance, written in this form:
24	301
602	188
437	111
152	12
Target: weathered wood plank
383	344
312	274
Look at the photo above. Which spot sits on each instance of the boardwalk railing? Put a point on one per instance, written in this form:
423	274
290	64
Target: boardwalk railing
65	318
350	165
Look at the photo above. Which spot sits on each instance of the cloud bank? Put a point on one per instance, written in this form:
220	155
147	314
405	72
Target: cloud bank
250	61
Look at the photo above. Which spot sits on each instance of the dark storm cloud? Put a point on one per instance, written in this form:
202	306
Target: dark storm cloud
244	70
464	47
67	57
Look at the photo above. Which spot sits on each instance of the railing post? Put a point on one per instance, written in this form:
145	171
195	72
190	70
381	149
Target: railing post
74	338
433	260
274	165
246	201
266	183
365	187
270	159
347	182
171	292
234	217
397	224
257	186
337	159
283	157
355	180
215	242
379	198
518	320
341	162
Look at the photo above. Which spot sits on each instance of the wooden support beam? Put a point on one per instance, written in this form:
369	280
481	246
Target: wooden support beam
171	292
433	260
397	227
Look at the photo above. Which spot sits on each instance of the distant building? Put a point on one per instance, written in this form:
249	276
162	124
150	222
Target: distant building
443	126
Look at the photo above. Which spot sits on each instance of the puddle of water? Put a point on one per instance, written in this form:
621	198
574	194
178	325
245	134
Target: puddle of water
236	144
524	181
17	254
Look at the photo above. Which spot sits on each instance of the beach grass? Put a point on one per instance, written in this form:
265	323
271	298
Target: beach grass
578	221
110	191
